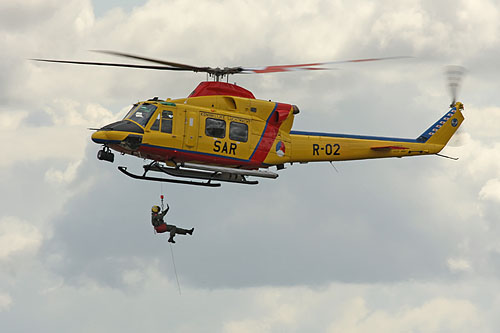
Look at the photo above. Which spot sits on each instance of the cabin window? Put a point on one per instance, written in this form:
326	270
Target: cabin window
156	124
238	131
167	118
142	113
215	128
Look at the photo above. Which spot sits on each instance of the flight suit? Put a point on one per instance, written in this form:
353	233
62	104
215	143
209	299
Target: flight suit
161	227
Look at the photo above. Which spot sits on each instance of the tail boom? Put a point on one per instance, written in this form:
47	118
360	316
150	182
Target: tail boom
313	146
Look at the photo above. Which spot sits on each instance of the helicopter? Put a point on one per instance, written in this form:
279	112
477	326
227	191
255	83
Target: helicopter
222	133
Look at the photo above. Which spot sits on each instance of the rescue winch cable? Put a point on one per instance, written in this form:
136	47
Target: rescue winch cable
175	269
171	248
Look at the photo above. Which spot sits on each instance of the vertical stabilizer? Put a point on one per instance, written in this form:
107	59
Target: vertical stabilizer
442	131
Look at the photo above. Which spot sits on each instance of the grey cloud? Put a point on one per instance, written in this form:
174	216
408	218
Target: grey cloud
20	18
351	230
379	223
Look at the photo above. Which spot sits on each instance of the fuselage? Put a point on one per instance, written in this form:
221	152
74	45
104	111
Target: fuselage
234	130
223	124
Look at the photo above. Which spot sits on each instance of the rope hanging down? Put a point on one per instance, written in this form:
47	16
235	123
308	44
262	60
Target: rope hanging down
175	269
171	249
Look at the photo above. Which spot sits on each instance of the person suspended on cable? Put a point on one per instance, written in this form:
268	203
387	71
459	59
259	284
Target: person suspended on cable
160	226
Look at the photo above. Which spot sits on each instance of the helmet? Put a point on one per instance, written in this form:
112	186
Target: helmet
155	209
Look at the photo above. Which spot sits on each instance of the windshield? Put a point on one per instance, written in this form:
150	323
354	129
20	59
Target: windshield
131	111
141	113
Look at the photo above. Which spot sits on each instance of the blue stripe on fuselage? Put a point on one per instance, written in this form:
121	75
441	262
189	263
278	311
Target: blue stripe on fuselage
349	136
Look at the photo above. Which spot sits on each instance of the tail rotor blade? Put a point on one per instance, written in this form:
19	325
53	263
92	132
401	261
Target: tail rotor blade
454	75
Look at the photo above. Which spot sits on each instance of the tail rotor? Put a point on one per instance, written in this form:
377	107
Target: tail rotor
454	75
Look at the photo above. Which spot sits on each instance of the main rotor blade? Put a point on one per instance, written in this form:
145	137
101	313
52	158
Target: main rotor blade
216	72
157	61
112	64
312	66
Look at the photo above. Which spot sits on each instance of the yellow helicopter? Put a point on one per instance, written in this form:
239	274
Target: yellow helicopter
222	133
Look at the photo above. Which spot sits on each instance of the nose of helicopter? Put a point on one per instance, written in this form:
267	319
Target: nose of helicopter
109	136
119	134
100	137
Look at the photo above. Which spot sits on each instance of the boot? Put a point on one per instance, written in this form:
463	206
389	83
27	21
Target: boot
171	240
190	231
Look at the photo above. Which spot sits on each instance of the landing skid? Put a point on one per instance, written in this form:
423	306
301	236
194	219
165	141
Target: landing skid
180	171
166	180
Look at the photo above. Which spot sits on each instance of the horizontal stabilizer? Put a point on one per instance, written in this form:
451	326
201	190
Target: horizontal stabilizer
387	148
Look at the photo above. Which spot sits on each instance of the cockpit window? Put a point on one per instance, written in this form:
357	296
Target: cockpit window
141	114
131	111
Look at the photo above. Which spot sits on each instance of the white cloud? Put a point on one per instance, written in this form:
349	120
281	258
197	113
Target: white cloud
5	301
66	176
65	139
491	190
84	21
435	315
404	307
10	120
277	309
483	120
39	143
459	265
18	237
67	112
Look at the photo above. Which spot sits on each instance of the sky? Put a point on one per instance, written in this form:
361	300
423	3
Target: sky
394	245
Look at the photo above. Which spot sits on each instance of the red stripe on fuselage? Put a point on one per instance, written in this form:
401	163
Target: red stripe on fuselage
269	135
165	154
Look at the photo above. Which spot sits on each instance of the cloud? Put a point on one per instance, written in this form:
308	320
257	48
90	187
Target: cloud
491	190
459	265
408	306
18	237
392	245
11	120
361	240
440	314
66	176
67	112
5	301
65	137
